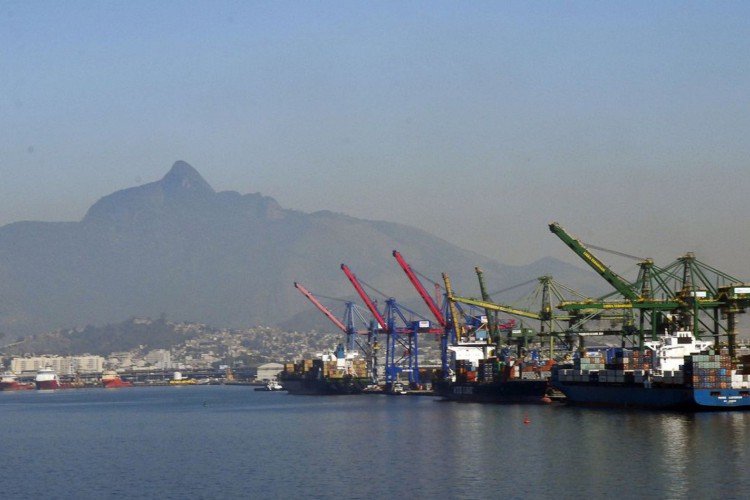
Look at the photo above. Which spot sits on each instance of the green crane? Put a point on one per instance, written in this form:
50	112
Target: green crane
697	301
614	279
550	323
491	315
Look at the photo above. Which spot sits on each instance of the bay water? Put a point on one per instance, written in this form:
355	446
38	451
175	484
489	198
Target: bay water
212	442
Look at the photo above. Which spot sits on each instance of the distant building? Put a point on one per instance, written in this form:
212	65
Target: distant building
68	365
160	359
120	360
269	371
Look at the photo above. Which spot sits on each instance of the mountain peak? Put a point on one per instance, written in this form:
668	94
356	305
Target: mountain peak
181	184
182	176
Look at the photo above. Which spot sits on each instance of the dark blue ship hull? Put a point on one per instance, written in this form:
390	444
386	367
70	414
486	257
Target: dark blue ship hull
655	397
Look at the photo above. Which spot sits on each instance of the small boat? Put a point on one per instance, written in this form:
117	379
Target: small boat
272	385
179	379
10	382
398	389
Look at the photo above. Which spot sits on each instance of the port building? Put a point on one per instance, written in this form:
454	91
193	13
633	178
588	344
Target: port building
269	371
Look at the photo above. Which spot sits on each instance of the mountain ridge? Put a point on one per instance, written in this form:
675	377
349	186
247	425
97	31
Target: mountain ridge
177	247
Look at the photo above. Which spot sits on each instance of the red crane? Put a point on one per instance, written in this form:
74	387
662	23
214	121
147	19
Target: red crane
320	306
365	298
421	289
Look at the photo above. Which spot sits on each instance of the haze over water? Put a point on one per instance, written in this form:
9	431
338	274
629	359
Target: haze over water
233	442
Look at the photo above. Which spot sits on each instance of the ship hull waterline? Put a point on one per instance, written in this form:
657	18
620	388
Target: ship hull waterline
325	387
513	391
661	398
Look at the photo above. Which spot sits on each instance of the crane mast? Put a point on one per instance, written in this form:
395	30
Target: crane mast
491	323
457	329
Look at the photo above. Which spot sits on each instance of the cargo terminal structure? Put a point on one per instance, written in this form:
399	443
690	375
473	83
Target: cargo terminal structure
675	325
679	344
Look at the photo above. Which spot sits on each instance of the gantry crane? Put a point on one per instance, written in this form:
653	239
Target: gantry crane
490	307
402	342
439	315
569	328
695	301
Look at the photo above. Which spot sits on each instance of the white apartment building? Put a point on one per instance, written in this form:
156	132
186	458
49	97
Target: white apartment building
67	365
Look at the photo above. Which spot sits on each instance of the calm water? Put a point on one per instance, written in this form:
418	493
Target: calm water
232	442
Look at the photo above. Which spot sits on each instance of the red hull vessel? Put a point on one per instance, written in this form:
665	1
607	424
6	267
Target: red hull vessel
46	379
48	385
115	383
111	380
9	383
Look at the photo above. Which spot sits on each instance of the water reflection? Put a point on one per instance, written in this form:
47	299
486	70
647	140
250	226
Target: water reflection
673	445
277	446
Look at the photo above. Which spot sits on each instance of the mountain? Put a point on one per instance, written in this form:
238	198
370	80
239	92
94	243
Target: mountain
177	248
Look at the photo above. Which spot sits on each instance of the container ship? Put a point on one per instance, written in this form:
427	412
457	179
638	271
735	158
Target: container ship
677	372
336	373
481	377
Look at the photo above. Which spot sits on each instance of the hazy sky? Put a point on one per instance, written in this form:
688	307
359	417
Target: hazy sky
481	122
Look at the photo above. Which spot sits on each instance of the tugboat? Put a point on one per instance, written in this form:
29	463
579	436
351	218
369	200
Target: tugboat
398	389
271	385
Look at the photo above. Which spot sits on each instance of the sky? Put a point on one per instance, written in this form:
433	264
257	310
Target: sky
480	122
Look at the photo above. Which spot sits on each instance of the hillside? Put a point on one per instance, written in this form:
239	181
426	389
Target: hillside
176	247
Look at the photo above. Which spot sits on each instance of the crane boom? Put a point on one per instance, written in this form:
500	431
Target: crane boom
365	298
614	279
495	307
321	307
421	289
